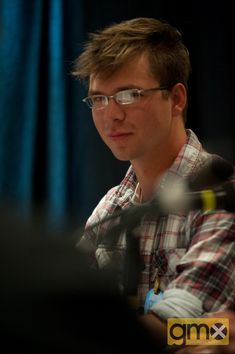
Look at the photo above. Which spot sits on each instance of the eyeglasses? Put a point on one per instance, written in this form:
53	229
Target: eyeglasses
124	97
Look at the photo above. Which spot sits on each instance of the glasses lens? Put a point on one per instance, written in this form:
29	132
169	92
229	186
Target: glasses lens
127	96
96	101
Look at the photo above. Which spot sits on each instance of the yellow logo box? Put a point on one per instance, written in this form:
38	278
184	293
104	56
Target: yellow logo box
198	331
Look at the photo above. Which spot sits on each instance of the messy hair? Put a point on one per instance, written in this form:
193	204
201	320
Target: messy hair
108	49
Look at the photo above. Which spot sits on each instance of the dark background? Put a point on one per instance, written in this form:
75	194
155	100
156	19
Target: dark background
51	158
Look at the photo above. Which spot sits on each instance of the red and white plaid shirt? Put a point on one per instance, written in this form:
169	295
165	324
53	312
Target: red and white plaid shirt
192	254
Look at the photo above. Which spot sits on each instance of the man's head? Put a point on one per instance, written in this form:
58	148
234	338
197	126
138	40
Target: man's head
137	74
107	50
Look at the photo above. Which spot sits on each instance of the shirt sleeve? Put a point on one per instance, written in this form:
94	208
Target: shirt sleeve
178	303
96	227
205	280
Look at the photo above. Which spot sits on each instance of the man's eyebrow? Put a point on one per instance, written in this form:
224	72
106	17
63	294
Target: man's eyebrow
91	92
121	88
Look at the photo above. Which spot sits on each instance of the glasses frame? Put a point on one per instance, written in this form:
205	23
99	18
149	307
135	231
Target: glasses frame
106	98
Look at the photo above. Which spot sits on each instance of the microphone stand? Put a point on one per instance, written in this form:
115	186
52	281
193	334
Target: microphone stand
132	267
132	263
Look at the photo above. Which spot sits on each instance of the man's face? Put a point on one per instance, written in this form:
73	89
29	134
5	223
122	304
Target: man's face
139	130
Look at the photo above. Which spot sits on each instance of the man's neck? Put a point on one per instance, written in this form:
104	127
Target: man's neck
149	170
149	175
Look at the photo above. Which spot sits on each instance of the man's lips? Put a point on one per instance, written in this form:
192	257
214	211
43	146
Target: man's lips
119	135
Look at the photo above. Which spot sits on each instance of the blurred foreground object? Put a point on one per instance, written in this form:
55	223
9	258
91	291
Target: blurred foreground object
51	302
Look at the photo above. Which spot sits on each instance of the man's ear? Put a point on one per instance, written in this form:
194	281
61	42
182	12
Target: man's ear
179	99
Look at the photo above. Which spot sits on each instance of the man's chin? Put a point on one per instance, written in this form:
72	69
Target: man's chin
121	156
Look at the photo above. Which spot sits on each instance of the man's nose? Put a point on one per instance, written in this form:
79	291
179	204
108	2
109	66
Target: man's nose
114	110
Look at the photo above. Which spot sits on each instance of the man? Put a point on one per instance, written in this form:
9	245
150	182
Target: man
137	73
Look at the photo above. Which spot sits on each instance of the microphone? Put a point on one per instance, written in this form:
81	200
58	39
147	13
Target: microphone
181	195
185	194
210	188
213	172
179	200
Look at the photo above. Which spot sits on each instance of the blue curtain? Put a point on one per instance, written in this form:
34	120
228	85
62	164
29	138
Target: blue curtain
46	159
51	157
33	105
20	60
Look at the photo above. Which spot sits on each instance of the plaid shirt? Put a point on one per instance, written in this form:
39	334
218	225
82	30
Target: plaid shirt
190	253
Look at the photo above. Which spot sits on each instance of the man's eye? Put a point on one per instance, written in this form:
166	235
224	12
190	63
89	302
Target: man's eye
127	95
98	99
134	93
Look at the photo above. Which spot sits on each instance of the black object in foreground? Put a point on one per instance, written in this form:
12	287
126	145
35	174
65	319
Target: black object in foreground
51	302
